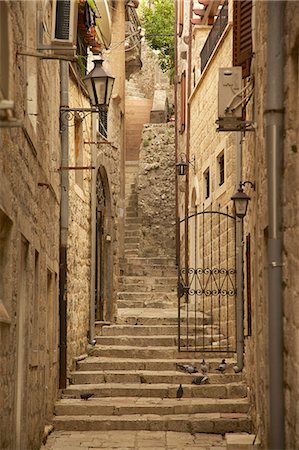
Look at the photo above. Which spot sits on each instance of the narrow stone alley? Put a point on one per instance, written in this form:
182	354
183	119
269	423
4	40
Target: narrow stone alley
133	375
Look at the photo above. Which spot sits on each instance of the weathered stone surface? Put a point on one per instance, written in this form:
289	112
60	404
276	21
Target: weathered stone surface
156	194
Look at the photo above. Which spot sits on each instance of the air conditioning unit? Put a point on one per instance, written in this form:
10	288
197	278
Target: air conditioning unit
64	23
230	93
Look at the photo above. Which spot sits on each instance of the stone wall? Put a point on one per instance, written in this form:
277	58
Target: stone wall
156	193
29	246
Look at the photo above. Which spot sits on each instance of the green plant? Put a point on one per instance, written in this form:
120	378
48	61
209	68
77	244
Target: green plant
157	19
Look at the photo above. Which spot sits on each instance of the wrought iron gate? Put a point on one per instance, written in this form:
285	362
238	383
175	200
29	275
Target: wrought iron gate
207	282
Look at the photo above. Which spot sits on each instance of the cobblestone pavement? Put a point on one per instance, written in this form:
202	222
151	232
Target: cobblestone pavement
136	440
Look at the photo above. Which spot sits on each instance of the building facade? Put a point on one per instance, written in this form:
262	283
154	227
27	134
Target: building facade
261	154
61	200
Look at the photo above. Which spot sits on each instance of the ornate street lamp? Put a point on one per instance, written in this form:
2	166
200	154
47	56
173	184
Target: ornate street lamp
241	199
99	85
182	165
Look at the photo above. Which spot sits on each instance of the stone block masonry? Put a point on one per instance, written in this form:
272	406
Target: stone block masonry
156	192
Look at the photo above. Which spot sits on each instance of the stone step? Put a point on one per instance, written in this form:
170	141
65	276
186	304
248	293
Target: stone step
152	330
138	288
132	240
123	351
152	303
118	406
194	423
152	261
113	364
147	281
162	390
132	233
153	271
152	341
131	214
152	316
132	228
148	377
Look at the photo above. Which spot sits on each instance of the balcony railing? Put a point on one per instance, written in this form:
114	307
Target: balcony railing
214	35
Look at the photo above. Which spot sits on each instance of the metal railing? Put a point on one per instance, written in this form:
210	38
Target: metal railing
214	35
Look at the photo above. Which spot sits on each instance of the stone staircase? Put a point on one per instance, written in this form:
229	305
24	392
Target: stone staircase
132	370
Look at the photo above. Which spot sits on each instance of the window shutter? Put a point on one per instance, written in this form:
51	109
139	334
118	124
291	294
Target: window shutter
183	102
242	40
181	17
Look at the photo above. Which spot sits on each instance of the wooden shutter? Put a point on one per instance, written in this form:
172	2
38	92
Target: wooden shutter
181	17
183	103
242	36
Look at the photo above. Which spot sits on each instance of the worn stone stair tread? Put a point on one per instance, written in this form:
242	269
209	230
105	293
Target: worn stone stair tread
200	422
162	390
131	405
187	359
147	377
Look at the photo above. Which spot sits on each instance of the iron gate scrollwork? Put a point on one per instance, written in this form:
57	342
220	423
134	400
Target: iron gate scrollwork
207	282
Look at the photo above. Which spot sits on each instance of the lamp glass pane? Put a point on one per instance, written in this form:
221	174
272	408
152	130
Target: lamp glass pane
241	207
100	87
110	83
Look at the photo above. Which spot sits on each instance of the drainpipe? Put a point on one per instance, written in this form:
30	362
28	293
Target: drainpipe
64	216
274	116
93	232
239	264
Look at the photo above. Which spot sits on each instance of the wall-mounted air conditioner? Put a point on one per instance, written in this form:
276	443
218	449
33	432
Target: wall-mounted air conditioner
64	23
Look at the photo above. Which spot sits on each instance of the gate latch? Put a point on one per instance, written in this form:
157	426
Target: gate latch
182	289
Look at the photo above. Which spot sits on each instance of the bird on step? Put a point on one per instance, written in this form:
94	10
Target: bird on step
86	395
222	366
180	392
186	368
200	380
204	367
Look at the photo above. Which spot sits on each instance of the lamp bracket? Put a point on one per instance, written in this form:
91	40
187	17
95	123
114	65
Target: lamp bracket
67	115
251	184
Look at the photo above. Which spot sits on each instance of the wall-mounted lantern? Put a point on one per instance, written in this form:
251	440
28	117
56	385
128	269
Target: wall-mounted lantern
241	199
182	165
99	85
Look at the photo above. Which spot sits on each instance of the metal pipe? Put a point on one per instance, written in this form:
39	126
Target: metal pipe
93	233
64	219
188	139
239	264
274	147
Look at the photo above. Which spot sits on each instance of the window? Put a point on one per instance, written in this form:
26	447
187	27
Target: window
207	184
78	151
242	35
183	103
103	122
4	51
220	161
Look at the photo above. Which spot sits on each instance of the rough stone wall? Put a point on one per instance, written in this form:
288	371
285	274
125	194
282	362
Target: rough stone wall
291	226
29	251
156	194
79	231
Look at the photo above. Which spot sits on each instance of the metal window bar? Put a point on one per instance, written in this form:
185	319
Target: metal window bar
214	35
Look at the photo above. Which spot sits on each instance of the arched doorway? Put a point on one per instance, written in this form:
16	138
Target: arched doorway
103	259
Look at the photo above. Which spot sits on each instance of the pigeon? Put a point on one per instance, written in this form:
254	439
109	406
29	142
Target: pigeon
86	395
186	368
200	380
93	342
204	367
222	366
180	392
142	379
